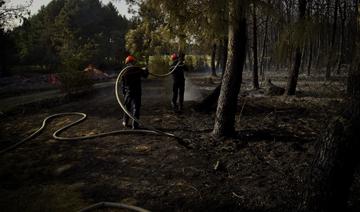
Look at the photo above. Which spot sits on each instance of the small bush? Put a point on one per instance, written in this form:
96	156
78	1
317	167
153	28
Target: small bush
72	79
75	82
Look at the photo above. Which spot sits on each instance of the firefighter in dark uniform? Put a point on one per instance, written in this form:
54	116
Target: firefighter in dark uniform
178	80
131	88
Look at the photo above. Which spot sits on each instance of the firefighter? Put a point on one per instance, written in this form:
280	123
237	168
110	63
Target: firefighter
131	88
178	81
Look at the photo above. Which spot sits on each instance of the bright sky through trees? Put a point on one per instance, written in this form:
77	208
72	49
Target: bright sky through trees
121	6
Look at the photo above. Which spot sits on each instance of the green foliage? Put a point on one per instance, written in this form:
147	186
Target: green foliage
70	26
151	34
160	64
136	40
72	78
173	26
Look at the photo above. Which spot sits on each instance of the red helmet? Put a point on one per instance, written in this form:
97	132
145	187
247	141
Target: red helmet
174	57
130	59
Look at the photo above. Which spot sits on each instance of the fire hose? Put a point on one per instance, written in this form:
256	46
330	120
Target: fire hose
148	129
113	205
55	135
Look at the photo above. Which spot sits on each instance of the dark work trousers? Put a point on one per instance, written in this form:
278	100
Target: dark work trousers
178	90
132	104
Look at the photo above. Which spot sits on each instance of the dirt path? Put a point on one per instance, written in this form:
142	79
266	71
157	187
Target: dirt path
21	100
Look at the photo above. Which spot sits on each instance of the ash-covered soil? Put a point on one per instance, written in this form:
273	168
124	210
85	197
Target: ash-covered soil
261	168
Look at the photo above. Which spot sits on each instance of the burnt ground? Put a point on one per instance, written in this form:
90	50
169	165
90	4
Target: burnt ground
261	168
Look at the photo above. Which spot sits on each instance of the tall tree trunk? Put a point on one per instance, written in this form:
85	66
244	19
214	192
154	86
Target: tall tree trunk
342	28
355	53
294	74
219	55
327	186
224	56
255	50
311	41
332	44
318	53
328	183
311	49
249	56
230	87
262	73
303	56
213	56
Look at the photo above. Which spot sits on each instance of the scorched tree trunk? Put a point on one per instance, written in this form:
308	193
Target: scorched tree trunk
294	74
227	103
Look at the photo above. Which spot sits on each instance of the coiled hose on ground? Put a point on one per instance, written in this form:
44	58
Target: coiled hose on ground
147	129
